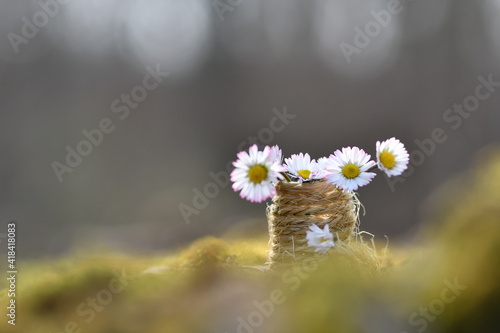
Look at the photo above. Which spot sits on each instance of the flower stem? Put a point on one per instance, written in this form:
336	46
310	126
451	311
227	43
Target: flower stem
286	177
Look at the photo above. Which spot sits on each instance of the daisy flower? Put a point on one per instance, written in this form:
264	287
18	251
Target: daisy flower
392	157
301	166
322	240
254	174
323	166
276	154
348	169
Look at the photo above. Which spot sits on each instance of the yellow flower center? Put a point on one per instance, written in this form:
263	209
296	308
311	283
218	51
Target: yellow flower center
387	159
324	239
350	171
304	173
257	173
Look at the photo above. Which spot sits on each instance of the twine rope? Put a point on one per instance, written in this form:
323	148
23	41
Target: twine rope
296	207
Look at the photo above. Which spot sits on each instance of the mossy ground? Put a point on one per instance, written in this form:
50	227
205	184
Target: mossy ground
448	281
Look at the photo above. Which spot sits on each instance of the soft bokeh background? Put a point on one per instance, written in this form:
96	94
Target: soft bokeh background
228	71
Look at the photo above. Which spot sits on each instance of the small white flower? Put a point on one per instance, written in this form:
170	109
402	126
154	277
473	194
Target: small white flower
392	157
348	169
255	173
323	166
277	154
302	167
322	240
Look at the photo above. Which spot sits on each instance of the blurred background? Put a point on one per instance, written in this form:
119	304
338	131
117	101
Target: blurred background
233	67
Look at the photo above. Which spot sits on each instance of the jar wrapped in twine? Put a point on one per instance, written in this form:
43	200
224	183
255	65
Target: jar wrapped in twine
296	207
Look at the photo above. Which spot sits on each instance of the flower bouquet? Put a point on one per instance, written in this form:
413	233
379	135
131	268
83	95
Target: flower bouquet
313	201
